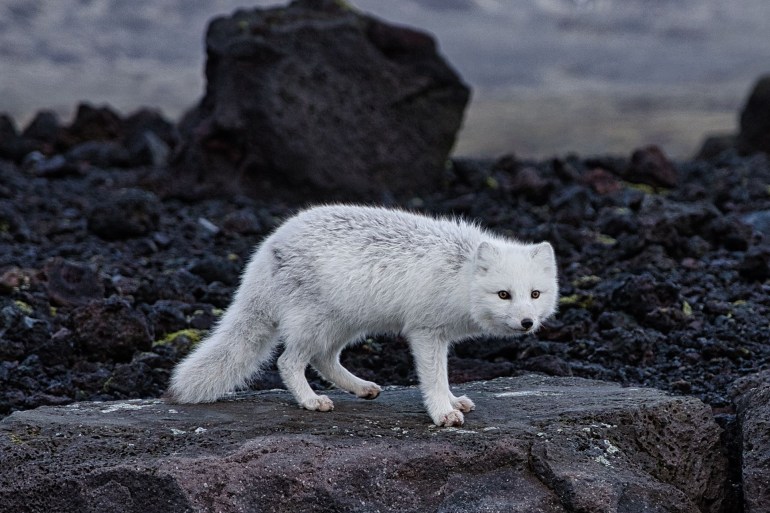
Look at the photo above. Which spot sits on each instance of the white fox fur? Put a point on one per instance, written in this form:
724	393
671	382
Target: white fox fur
331	275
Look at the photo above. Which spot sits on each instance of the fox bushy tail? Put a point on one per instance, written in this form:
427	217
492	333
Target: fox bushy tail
236	349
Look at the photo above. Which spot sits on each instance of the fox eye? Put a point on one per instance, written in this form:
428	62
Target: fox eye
504	294
534	294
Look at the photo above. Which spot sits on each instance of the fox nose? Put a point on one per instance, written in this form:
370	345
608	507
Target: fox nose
527	323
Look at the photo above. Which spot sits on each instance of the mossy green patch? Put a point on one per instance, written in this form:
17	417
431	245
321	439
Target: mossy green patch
647	189
586	282
577	300
345	6
25	308
191	334
605	240
15	439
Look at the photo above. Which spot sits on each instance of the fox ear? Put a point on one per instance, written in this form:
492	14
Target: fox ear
486	254
543	253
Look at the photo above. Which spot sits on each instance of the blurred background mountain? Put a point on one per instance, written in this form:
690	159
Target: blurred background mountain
548	76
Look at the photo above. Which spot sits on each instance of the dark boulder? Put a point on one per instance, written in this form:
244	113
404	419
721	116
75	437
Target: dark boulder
110	330
654	302
92	124
148	138
651	166
12	145
100	137
715	145
125	213
755	264
99	154
71	283
44	127
316	99
755	118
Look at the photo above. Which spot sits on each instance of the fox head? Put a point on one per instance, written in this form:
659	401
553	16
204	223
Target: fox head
514	287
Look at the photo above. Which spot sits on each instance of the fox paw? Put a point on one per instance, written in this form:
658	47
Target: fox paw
369	391
452	418
463	404
318	403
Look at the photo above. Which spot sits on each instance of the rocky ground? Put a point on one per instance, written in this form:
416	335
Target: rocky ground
108	277
534	444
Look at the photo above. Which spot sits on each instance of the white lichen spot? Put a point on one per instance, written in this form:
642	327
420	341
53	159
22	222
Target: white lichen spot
524	393
123	406
490	428
200	430
604	461
611	449
177	432
460	431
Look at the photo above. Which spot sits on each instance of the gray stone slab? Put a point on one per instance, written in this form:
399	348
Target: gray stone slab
533	444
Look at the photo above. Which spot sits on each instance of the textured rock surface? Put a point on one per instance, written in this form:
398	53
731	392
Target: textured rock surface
317	99
534	445
754	417
125	213
755	117
651	166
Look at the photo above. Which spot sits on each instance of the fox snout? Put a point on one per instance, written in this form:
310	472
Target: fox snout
525	324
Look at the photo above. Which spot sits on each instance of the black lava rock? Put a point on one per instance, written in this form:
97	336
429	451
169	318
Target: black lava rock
339	105
755	118
125	213
110	330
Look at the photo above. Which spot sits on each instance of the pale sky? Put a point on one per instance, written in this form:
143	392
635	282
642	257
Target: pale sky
548	76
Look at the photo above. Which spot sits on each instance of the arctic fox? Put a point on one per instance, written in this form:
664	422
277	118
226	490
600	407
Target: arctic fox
331	275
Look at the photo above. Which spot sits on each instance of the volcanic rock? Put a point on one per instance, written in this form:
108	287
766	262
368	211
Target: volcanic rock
756	263
93	124
125	213
755	117
72	283
110	330
44	127
148	138
650	166
12	145
318	100
533	445
99	153
754	416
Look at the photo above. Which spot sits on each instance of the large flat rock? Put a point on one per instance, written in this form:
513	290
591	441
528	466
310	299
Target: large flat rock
753	402
533	444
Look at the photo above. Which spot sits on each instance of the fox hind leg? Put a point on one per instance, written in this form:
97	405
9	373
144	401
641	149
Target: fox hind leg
292	365
328	364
